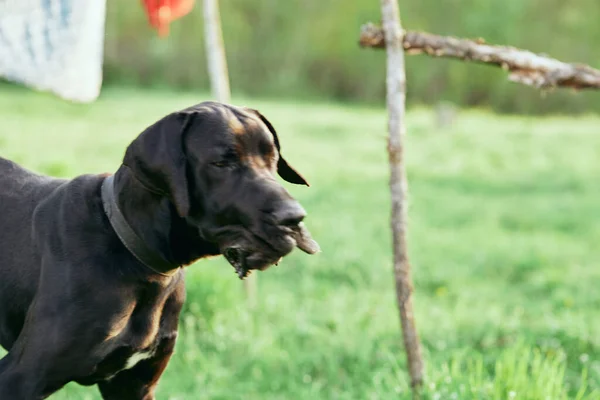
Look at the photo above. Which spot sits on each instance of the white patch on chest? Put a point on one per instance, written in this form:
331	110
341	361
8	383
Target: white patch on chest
137	357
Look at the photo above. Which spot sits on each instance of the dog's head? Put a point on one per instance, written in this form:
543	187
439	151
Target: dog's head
217	164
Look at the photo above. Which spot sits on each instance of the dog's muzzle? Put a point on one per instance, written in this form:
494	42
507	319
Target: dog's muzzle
245	256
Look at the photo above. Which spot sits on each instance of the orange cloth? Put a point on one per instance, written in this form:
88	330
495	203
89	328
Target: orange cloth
162	12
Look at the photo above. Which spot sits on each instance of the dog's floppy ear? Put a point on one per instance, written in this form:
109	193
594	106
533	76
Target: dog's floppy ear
285	170
157	159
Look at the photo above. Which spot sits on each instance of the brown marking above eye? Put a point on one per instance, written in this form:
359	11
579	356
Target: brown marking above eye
239	121
235	124
239	150
259	156
266	155
266	149
258	162
253	143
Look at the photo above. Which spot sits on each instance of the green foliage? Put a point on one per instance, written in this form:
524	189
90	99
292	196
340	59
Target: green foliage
309	49
503	237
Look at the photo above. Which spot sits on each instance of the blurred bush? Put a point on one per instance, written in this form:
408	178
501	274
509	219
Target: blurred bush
308	49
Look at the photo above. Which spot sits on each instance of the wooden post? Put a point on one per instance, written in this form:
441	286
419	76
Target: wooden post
396	97
215	52
219	82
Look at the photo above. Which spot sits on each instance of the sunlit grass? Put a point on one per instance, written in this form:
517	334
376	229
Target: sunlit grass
504	234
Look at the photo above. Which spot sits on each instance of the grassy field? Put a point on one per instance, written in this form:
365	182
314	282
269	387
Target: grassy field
504	236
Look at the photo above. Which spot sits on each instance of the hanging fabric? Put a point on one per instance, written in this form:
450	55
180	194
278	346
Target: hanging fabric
162	12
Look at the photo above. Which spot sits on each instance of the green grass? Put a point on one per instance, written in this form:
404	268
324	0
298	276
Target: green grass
504	233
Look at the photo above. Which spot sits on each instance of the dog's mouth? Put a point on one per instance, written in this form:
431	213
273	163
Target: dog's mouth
236	256
244	261
261	253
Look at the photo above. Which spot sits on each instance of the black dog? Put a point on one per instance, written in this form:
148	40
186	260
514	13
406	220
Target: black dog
91	284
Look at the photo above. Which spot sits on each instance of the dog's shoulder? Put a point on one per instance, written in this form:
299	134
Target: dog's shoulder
15	178
71	201
10	169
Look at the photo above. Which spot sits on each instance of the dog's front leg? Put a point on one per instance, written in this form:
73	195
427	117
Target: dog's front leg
30	374
13	382
50	351
139	382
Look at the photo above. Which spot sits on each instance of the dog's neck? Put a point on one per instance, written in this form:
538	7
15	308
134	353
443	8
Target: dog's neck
155	221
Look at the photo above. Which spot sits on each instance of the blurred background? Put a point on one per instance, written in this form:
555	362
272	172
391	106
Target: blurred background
308	49
503	210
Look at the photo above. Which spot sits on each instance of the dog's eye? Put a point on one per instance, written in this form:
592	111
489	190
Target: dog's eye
226	160
222	164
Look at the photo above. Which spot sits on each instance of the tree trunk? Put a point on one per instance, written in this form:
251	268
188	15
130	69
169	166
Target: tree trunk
219	83
523	66
396	96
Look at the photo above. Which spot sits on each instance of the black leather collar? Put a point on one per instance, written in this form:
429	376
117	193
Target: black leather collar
130	239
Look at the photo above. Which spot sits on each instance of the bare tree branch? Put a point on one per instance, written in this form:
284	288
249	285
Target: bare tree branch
523	66
396	99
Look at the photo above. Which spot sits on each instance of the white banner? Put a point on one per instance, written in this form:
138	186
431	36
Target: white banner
54	45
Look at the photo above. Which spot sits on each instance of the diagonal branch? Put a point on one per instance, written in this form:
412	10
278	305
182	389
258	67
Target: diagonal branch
523	66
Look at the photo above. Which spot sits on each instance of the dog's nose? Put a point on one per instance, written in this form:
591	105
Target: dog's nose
289	213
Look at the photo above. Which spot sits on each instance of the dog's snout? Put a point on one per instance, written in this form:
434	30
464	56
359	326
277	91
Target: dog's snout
289	213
